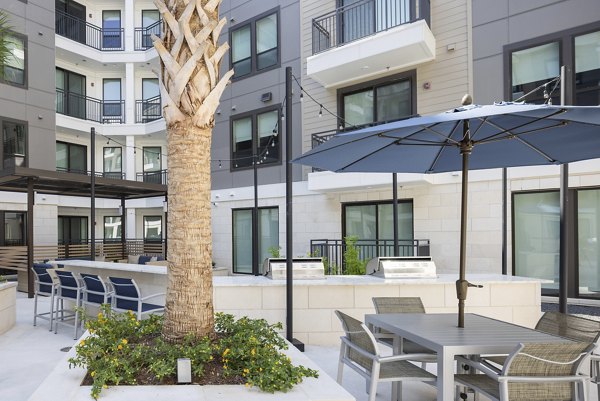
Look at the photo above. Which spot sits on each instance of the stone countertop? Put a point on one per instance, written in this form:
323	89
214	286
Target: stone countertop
247	280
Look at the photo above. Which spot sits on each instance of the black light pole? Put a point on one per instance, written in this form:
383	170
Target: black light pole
93	194
563	286
395	212
504	222
255	268
289	280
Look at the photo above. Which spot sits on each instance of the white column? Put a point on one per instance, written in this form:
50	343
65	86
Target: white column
129	25
129	93
130	224
130	158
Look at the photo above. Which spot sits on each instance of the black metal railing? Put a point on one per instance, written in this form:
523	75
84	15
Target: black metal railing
148	110
114	175
332	250
89	108
105	39
153	177
364	18
143	36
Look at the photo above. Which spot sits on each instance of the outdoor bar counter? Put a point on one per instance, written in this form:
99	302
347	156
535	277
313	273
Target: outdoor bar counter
507	298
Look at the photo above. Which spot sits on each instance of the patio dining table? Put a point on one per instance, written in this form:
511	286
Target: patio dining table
440	333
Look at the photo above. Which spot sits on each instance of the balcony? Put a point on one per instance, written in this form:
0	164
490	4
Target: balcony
369	38
153	177
88	108
332	250
143	36
104	39
148	110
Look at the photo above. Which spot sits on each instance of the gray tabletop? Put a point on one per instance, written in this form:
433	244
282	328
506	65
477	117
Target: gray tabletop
440	332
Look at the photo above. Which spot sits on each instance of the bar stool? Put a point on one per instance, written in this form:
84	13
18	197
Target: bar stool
43	285
95	291
69	288
127	296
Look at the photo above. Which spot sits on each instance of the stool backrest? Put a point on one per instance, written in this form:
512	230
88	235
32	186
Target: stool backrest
95	288
40	271
126	293
67	284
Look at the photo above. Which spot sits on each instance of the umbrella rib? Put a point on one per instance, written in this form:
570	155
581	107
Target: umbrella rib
523	141
504	131
439	153
424	128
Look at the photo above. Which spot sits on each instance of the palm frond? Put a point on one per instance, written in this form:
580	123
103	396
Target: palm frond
5	51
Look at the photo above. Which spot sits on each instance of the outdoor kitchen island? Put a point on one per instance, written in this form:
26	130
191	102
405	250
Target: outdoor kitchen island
512	299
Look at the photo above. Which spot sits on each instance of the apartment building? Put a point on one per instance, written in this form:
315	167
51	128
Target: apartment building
77	67
515	59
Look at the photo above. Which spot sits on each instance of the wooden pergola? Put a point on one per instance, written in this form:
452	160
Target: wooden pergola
31	181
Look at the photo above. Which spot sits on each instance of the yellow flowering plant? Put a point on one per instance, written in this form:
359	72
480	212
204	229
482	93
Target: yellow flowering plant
119	349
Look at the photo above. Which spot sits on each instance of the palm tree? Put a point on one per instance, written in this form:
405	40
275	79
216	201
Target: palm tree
190	89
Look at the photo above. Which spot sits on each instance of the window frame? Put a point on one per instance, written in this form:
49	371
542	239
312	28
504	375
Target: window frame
253	114
14	121
253	48
376	204
69	145
411	76
566	42
3	214
241	209
108	173
152	240
25	84
120	237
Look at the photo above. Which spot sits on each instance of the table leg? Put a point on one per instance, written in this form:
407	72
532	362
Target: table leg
445	376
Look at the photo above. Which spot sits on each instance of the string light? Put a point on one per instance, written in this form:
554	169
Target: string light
301	94
320	110
220	164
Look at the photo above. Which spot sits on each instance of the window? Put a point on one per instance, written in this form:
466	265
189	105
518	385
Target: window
255	135
150	26
373	225
151	107
112	163
255	45
15	228
152	164
14	69
378	102
112	103
152	228
14	143
112	228
71	157
111	29
70	93
72	229
268	236
535	62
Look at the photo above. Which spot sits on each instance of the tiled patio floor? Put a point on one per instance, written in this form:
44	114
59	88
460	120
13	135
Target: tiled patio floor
28	354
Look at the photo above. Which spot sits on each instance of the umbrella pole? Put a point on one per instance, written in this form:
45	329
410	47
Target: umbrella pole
461	283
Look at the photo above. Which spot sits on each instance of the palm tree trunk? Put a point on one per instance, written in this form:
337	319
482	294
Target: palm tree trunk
190	89
189	303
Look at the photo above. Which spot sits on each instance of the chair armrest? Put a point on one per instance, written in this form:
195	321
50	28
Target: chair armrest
539	379
358	349
482	367
153	296
403	357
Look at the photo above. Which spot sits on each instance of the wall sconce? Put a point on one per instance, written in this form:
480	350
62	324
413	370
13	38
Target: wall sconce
165	206
266	97
184	370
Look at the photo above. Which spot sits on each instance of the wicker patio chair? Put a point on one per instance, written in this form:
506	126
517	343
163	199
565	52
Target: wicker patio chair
402	305
360	352
573	327
540	371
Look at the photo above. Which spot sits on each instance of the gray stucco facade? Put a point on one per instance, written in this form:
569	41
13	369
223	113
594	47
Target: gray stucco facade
498	23
34	103
244	94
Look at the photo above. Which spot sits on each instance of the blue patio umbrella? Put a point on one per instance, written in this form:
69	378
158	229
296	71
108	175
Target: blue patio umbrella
468	137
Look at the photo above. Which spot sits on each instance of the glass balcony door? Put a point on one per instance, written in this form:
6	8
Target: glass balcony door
268	237
150	26
151	107
111	95
70	20
111	29
70	93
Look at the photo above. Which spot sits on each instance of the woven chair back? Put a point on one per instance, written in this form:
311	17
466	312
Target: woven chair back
545	360
569	326
398	305
357	335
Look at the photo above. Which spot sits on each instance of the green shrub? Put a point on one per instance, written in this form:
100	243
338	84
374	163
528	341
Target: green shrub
352	259
120	348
